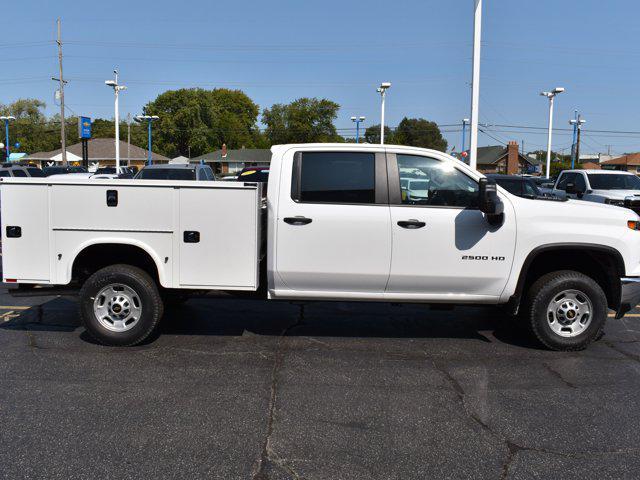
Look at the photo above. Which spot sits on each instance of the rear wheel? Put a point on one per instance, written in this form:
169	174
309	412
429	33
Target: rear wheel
565	310
120	305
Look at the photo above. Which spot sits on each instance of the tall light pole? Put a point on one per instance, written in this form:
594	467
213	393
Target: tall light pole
149	119
577	122
550	95
7	119
475	84
357	121
116	90
382	90
465	122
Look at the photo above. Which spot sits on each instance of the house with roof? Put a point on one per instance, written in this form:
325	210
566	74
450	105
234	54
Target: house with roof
626	163
233	160
505	159
102	152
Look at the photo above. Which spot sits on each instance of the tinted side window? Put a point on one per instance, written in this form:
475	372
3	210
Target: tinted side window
579	181
35	172
427	181
564	178
337	177
4	173
19	173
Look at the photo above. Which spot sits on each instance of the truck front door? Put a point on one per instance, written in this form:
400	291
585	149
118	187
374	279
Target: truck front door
333	229
442	244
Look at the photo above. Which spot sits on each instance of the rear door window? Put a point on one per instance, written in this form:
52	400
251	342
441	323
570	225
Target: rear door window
335	177
19	173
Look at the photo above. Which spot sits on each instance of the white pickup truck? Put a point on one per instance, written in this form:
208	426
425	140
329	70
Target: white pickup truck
337	225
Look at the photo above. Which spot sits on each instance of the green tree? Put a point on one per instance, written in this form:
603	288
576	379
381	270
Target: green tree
31	128
418	132
372	134
200	120
302	121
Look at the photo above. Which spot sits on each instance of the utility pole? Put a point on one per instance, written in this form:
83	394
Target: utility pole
574	122
577	122
62	82
475	84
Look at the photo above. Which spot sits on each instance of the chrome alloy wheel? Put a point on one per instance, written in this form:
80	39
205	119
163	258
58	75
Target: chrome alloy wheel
569	313
117	307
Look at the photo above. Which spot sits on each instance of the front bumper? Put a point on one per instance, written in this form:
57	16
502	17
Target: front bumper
629	295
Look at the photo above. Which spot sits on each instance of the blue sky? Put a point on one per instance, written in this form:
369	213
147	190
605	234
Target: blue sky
277	51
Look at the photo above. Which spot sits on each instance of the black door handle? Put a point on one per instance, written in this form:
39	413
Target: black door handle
411	224
297	220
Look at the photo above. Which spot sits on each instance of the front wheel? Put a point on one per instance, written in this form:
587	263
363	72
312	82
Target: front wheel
120	305
565	310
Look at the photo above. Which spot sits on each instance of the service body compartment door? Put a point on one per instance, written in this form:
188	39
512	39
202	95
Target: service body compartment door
219	238
26	251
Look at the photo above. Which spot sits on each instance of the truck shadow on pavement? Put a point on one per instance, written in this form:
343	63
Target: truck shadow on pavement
233	317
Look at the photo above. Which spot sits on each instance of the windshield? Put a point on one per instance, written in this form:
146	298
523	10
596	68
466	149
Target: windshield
519	187
167	174
614	181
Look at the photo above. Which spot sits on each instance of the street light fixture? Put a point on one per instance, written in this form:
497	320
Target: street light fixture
382	90
357	121
116	90
7	119
465	122
149	119
550	95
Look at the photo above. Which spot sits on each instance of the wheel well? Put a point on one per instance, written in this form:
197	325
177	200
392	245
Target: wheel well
602	265
95	257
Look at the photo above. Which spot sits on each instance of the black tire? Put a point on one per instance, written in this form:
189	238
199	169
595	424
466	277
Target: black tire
147	296
550	287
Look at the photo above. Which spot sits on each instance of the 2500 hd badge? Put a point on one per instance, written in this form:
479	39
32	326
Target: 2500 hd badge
483	257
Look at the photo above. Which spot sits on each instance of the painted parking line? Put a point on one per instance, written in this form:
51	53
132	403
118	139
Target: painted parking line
627	315
14	307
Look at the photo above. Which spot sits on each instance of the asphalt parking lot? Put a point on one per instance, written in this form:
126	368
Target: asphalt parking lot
263	390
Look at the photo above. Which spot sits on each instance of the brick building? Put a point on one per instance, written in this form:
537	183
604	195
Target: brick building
504	159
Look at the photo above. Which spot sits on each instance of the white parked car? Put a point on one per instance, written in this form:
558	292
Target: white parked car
336	226
602	186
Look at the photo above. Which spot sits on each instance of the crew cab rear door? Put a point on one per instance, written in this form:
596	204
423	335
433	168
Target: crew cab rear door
443	247
333	224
